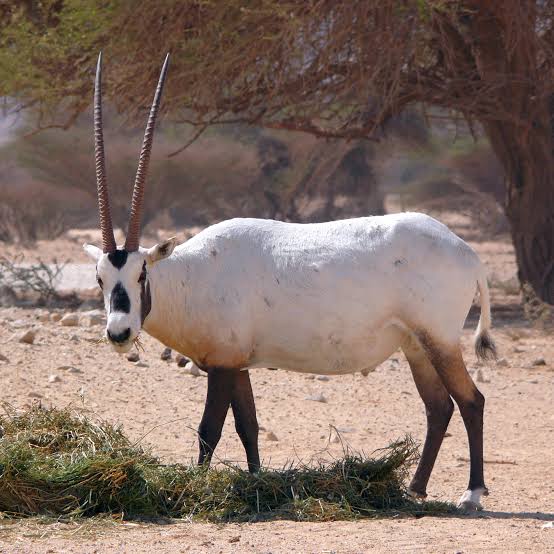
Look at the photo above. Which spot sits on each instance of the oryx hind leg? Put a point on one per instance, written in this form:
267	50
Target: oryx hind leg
450	366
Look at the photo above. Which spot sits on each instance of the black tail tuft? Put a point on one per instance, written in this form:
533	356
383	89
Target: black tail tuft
485	347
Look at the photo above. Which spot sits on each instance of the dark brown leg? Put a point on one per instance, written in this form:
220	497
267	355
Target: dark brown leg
218	400
451	368
246	424
438	407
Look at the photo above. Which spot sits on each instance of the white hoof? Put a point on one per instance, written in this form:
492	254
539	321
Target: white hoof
416	495
470	501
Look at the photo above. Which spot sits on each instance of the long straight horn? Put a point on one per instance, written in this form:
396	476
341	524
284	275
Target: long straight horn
108	240
133	231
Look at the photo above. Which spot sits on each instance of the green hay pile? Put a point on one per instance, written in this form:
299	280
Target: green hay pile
62	464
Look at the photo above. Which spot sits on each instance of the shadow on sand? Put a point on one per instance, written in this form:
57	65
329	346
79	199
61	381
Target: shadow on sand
489	514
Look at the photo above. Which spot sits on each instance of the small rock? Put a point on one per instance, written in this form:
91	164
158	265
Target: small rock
322	378
70	320
19	323
43	317
271	436
95	313
310	376
447	434
56	316
193	369
181	360
69	368
33	394
480	377
133	356
92	318
519	350
549	525
26	337
166	354
539	361
3	358
346	429
53	379
502	362
367	370
75	338
141	364
316	397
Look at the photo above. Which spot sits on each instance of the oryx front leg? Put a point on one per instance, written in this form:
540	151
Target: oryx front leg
229	387
438	407
218	400
246	422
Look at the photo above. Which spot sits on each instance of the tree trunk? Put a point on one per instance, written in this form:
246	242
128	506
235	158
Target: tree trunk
529	168
523	143
532	224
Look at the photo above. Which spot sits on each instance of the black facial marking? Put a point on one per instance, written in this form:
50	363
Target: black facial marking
121	337
145	297
142	276
145	300
98	280
119	299
118	258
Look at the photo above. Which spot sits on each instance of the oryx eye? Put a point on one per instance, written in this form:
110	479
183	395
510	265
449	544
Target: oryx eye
100	282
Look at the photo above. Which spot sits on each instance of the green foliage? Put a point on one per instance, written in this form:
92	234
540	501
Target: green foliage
62	464
38	40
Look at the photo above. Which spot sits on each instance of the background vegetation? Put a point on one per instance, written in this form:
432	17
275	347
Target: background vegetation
334	70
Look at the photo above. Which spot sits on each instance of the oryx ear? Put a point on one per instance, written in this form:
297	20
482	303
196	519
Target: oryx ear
161	251
93	251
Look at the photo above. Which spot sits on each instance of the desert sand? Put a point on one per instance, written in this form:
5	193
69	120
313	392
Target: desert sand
159	402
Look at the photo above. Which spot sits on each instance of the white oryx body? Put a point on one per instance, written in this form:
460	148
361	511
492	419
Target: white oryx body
331	298
337	297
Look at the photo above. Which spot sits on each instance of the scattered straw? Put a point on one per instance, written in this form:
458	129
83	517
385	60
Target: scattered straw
61	463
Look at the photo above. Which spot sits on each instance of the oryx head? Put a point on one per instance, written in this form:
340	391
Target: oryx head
122	273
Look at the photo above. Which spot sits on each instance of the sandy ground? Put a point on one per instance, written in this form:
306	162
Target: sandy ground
158	401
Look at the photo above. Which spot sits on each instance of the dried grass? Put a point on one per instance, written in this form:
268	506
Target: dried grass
63	464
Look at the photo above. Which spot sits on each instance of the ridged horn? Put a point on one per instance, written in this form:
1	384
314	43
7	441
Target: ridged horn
108	240
133	231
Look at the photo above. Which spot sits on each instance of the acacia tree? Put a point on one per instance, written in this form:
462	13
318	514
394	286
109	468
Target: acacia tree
333	69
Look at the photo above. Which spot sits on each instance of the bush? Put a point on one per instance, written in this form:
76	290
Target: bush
35	282
24	221
60	463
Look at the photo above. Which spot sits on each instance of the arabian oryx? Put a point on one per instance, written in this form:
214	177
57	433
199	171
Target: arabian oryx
327	298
